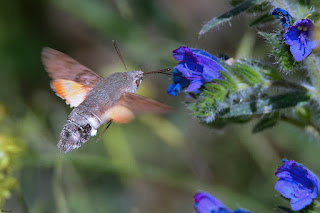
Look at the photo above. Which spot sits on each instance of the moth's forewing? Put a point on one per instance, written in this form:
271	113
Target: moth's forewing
71	80
61	66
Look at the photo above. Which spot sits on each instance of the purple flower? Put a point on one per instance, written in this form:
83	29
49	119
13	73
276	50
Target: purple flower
206	203
297	183
197	66
179	83
299	38
283	15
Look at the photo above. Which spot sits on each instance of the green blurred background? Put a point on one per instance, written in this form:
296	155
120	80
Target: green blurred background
155	163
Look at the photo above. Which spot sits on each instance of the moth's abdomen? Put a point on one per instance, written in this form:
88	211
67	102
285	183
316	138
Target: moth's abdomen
77	130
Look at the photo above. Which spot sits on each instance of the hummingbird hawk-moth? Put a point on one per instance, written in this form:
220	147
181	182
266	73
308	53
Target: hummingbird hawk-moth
96	100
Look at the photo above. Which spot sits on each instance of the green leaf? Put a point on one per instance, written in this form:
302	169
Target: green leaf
266	122
229	82
267	72
267	105
228	15
247	73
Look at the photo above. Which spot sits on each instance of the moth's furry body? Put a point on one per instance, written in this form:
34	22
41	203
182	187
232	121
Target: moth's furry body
85	119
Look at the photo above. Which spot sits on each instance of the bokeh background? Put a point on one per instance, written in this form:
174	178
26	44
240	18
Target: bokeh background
155	163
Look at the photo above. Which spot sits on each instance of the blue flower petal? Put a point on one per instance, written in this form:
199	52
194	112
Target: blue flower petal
298	203
179	78
204	53
206	203
299	52
313	44
197	67
283	15
285	188
210	64
178	54
191	71
194	85
174	89
183	54
297	183
211	71
299	37
179	83
291	36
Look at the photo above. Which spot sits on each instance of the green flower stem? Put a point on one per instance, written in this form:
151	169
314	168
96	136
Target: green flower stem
310	127
313	65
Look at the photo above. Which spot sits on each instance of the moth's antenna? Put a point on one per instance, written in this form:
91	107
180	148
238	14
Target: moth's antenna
119	54
158	71
104	131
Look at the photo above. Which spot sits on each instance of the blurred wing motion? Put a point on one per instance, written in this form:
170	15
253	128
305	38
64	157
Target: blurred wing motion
71	80
138	103
131	103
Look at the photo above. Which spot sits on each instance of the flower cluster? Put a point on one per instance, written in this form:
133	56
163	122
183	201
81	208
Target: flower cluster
299	36
195	68
297	183
206	203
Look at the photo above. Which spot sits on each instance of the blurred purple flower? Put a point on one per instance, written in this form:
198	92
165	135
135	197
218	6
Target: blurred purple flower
197	66
299	37
206	203
283	15
297	183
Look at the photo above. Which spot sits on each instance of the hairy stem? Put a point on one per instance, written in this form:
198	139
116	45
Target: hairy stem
313	65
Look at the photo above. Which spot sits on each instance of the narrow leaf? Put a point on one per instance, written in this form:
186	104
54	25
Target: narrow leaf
266	122
248	73
228	15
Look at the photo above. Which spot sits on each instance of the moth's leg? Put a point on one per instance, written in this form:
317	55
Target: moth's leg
109	123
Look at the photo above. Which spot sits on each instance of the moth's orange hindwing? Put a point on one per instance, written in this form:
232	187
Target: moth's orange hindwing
73	92
118	114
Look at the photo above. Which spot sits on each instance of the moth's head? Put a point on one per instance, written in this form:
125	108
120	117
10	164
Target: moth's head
137	77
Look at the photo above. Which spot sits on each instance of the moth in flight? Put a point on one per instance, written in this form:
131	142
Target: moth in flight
96	100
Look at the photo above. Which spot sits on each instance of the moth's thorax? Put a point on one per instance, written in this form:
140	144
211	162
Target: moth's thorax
109	90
